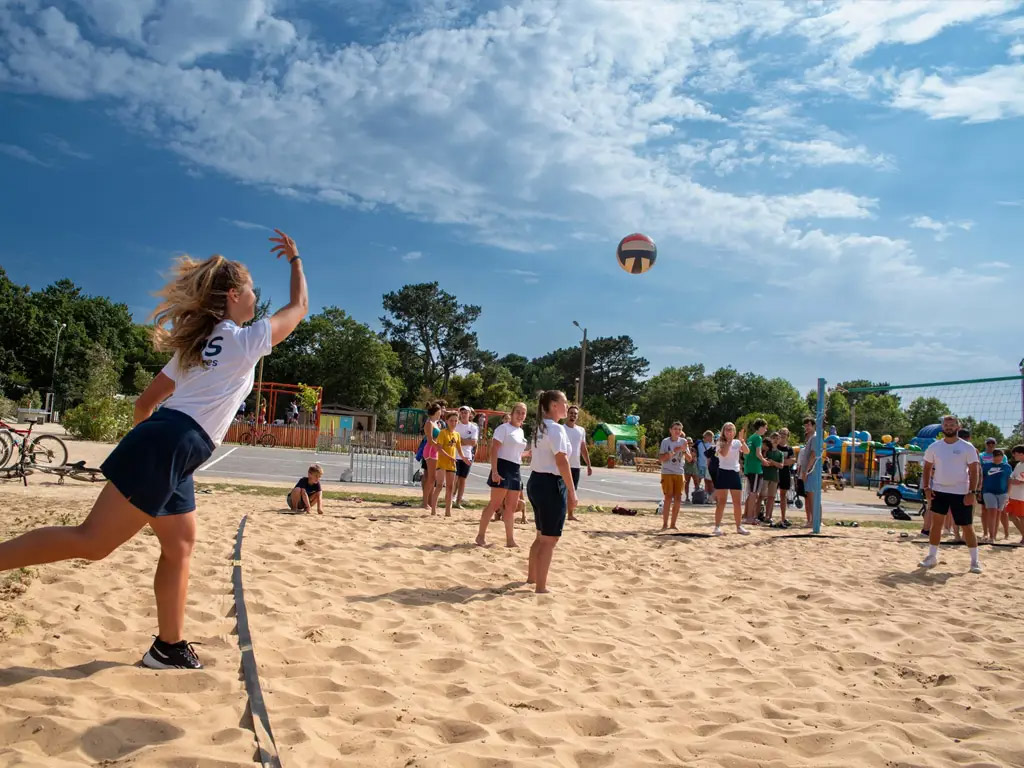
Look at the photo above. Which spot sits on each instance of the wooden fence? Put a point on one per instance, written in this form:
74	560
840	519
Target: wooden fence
309	438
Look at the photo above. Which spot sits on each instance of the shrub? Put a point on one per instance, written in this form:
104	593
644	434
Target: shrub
598	454
103	418
8	408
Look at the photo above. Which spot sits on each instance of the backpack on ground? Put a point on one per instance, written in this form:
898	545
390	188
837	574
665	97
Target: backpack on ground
699	496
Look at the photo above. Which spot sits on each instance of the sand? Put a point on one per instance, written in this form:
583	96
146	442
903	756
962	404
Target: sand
385	638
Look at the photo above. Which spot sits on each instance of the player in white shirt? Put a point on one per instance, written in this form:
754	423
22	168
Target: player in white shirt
150	471
550	487
580	453
508	446
470	433
1015	505
951	483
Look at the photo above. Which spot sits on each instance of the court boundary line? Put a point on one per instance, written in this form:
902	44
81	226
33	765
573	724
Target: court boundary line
265	744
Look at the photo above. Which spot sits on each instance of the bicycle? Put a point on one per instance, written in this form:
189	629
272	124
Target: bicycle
258	437
46	453
44	449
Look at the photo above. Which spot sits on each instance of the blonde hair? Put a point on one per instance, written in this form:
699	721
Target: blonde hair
315	469
722	440
194	301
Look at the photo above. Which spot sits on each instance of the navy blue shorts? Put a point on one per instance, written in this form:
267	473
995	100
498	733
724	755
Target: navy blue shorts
575	472
548	499
152	466
462	468
728	480
511	480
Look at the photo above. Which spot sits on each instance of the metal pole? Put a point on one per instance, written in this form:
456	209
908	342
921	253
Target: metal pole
853	456
583	367
53	373
583	363
818	445
1021	366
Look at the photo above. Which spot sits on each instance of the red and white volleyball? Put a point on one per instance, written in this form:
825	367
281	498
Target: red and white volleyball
637	253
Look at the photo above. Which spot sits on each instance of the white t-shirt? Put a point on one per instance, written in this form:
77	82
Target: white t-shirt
731	460
513	442
576	437
211	393
950	462
1017	491
468	431
673	466
552	442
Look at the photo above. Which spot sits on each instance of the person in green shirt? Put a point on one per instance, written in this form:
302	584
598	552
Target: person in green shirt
753	468
774	459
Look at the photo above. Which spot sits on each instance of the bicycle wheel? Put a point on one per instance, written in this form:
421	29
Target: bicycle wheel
7	448
268	440
48	450
245	438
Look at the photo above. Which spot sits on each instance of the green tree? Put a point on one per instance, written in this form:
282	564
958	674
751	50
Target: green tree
880	415
683	394
432	329
837	412
101	414
924	411
746	421
331	349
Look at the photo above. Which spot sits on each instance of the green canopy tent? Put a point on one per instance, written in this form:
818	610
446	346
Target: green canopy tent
624	434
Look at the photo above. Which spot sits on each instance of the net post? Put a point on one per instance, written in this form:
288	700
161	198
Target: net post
819	443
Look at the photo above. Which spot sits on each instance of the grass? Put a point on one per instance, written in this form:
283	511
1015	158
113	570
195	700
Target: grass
15	583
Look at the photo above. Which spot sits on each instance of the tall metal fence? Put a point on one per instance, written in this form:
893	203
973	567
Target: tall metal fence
383	458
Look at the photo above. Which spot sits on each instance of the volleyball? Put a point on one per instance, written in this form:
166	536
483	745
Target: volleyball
636	253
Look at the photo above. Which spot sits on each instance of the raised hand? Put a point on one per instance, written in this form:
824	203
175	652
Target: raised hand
285	246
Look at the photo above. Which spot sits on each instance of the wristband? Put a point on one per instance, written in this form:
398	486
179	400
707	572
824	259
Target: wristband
294	258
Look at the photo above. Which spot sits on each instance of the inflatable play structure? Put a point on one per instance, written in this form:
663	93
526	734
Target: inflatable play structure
616	434
863	460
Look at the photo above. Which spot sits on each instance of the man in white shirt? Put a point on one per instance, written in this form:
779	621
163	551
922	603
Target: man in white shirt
951	482
470	433
578	439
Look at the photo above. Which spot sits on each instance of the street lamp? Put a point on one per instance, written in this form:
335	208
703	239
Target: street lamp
53	374
583	364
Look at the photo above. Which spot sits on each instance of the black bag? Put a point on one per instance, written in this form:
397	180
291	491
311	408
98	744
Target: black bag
699	496
899	514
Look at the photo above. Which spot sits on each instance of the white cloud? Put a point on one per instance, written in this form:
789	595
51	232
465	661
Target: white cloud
1017	49
942	229
717	326
1011	203
523	116
860	27
64	147
995	94
819	152
20	153
412	256
244	224
848	340
994	265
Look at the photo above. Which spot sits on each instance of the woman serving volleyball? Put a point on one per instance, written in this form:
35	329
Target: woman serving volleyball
200	320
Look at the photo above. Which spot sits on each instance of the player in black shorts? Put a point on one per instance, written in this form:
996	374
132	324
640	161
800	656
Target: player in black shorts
202	320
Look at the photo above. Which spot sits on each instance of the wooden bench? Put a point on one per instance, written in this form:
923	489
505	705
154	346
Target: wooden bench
647	465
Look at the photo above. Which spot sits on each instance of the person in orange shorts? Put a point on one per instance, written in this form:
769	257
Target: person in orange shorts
1015	506
673	455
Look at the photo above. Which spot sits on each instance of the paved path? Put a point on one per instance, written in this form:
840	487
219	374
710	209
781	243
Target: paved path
606	487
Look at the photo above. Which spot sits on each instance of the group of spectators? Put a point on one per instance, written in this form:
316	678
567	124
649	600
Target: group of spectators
754	472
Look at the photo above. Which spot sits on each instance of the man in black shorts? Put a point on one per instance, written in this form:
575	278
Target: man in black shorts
951	481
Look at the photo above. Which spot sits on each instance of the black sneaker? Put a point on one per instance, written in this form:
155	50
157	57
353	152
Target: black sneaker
163	655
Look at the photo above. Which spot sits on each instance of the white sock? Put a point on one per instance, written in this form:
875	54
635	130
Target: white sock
974	555
933	550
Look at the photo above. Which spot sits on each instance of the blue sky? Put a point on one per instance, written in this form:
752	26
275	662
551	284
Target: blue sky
836	188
